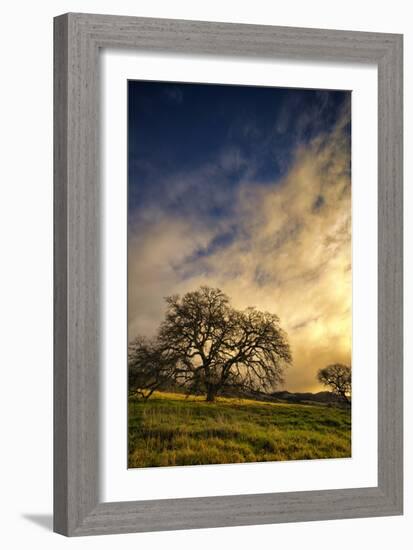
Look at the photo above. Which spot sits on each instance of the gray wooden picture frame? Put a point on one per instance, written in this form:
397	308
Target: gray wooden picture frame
77	506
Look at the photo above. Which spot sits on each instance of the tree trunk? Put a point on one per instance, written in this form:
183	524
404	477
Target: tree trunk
345	398
211	393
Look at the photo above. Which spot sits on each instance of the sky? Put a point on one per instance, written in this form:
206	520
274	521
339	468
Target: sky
247	189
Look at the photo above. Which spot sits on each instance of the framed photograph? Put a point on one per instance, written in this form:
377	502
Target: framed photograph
228	274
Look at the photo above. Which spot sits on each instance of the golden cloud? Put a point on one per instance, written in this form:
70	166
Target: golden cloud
290	255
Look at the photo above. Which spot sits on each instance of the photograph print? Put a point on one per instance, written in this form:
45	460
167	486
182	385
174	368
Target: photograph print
239	274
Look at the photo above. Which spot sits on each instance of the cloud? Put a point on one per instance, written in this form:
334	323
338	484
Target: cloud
285	247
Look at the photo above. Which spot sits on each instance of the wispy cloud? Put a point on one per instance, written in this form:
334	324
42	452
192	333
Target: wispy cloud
266	216
284	247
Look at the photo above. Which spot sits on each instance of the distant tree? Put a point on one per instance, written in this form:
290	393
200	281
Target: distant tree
206	345
338	378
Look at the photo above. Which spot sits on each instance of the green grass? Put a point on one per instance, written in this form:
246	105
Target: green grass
171	430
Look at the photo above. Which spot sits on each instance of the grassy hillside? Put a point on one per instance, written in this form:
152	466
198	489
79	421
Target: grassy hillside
170	430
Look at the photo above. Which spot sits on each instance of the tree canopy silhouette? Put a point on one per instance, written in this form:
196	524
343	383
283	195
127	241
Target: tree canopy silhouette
338	378
150	368
206	346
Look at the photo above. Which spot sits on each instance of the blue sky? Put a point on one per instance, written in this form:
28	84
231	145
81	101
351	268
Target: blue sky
245	188
236	133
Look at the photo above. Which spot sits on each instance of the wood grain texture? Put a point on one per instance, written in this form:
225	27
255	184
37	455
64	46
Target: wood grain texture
390	273
78	39
60	277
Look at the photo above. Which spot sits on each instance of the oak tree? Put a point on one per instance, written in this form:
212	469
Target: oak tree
207	346
338	378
